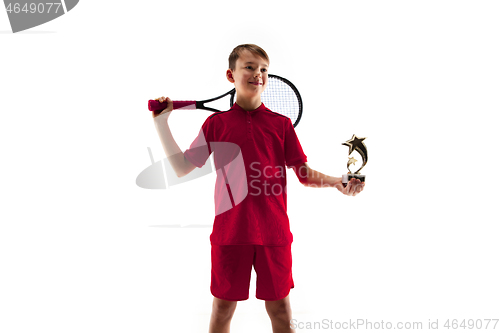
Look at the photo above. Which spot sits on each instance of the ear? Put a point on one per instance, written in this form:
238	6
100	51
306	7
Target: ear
229	76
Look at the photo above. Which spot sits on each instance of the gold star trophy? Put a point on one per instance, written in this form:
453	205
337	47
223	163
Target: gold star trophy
355	144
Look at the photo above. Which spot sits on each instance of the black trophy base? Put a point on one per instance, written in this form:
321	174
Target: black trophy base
346	178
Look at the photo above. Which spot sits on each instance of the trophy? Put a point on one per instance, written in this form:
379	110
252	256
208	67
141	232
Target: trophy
355	144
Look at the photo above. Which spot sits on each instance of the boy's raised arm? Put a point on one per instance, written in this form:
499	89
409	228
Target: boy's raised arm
174	154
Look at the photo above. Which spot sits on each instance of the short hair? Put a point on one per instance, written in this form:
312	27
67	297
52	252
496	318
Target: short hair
256	50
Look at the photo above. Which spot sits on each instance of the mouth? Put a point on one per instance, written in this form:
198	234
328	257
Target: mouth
256	83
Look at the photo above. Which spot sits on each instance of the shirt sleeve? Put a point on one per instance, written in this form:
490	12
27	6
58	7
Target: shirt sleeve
199	151
293	150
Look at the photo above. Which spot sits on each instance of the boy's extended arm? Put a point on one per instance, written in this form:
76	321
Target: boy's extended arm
313	178
174	154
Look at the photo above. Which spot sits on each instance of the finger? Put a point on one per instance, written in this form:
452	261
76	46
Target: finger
348	188
353	191
355	186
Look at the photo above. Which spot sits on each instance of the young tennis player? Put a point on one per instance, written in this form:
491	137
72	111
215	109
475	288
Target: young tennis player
252	146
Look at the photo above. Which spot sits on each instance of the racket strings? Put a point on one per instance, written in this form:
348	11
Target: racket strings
281	98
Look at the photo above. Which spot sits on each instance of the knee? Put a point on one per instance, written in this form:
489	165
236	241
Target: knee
223	310
280	312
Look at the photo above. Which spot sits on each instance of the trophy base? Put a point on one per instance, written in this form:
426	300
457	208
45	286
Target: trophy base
346	178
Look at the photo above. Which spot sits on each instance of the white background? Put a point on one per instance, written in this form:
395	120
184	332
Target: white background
84	249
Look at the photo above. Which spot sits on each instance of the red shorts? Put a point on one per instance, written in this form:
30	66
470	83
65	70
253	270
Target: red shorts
232	266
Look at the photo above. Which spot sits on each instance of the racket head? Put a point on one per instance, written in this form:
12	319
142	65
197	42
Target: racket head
282	97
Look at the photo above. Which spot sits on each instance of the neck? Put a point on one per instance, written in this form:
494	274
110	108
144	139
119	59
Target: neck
248	104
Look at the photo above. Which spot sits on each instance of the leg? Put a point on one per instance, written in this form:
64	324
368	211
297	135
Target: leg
273	265
280	314
222	313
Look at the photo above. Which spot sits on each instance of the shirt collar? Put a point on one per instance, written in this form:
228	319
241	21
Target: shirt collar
237	107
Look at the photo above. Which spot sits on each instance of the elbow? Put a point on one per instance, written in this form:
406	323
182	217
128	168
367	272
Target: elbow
179	165
180	173
304	180
302	171
184	170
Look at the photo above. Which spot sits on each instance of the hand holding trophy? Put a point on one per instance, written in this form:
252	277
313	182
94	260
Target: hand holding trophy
355	144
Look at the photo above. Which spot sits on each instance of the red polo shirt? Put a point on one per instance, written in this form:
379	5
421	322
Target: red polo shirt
251	152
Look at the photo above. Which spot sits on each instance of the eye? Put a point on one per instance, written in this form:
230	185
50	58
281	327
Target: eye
264	69
249	67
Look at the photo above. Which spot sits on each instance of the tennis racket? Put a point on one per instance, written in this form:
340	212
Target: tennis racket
280	96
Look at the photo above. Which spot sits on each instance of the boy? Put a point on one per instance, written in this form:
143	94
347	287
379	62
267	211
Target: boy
254	230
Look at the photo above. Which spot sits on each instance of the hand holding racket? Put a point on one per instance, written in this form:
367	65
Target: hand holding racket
167	107
280	96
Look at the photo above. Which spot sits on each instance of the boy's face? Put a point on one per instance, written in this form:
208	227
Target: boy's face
249	75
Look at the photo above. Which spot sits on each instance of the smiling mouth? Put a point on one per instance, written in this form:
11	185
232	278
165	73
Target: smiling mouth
256	83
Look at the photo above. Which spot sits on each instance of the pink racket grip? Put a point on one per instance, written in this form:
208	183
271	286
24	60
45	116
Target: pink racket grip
154	105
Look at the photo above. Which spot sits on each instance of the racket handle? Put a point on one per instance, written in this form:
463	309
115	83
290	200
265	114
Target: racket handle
154	105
